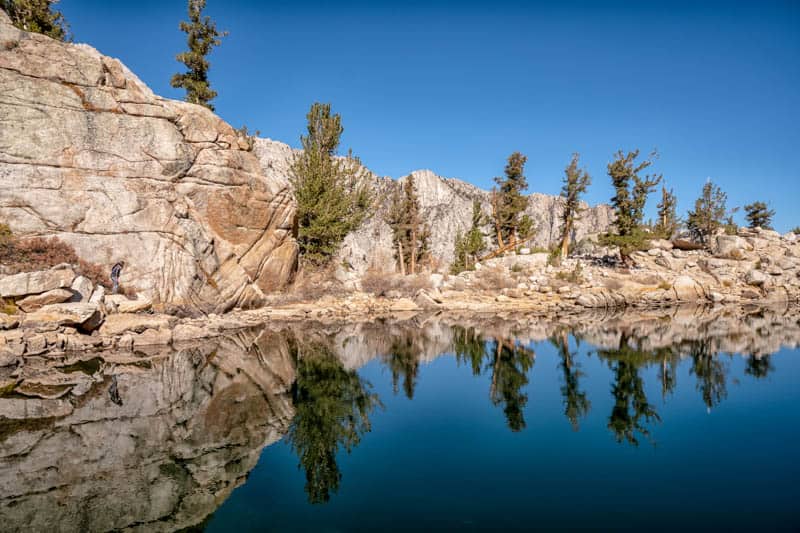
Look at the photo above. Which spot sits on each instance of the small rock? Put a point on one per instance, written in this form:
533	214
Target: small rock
756	278
82	287
98	295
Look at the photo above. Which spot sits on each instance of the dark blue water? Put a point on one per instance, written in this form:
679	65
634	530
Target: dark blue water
542	436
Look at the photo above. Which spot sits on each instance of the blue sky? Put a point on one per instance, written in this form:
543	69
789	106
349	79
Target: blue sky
456	87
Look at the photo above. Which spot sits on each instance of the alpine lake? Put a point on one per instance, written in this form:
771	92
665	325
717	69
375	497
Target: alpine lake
676	419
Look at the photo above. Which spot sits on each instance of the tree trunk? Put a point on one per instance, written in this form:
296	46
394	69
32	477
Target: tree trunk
400	255
414	250
565	241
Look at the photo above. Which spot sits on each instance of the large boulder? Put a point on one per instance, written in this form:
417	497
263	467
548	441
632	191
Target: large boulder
35	301
26	283
731	247
84	316
93	157
687	289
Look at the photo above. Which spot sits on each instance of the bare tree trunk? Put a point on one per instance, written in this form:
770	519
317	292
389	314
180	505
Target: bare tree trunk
565	241
414	249
400	255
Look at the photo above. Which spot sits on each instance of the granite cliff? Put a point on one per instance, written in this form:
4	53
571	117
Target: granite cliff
90	155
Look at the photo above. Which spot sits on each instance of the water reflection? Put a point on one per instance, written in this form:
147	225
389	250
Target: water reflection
332	407
192	422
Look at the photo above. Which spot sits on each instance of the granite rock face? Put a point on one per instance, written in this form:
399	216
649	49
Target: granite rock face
90	155
446	207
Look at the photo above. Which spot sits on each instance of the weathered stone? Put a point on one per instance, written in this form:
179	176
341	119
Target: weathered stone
118	323
98	295
84	316
756	278
82	286
152	337
121	174
731	246
35	301
26	283
8	321
188	332
687	289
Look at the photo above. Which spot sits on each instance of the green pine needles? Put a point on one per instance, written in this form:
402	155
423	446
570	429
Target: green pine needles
37	16
202	37
332	194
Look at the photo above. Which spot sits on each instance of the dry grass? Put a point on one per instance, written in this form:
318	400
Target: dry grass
381	283
494	278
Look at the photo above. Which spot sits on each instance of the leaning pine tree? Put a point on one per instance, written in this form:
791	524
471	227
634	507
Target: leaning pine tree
331	192
37	16
202	36
575	183
759	215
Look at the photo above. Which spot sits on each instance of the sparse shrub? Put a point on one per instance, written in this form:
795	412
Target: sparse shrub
495	278
664	286
574	276
8	307
40	253
796	230
249	140
380	283
554	259
517	268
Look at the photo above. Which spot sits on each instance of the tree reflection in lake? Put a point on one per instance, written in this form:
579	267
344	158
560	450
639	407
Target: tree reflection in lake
710	371
332	409
576	403
403	359
631	411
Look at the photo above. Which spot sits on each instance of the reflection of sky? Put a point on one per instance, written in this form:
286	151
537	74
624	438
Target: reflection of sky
447	459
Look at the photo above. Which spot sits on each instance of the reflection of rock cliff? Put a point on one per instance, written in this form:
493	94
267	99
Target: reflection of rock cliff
191	426
88	153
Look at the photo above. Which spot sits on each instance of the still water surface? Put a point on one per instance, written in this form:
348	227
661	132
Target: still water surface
504	432
661	421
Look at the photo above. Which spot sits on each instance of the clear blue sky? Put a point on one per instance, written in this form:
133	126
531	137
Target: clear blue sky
456	87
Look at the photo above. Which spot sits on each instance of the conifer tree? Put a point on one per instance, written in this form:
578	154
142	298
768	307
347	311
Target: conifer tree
667	214
469	245
37	16
575	183
410	232
508	201
758	215
631	190
708	214
630	198
331	192
202	36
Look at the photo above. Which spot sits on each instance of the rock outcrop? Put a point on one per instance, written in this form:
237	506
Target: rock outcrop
89	154
446	208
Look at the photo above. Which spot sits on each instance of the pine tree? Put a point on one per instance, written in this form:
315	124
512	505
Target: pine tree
758	215
629	201
508	201
331	192
37	16
575	183
469	245
708	214
631	190
202	36
667	223
410	232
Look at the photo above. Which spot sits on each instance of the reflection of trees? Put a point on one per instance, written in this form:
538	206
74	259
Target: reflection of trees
332	408
509	363
403	359
509	375
710	372
576	404
758	366
631	411
668	370
469	348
